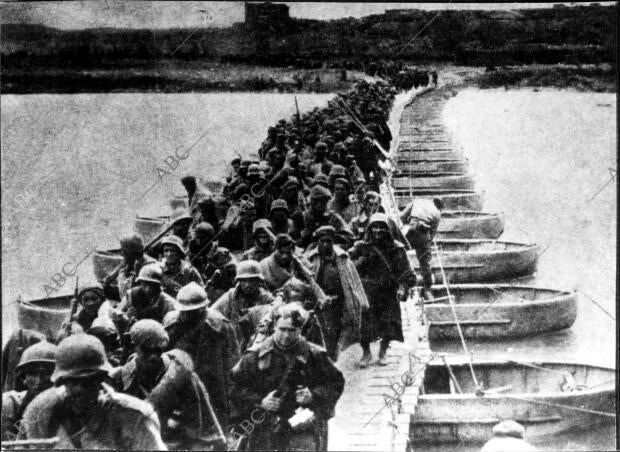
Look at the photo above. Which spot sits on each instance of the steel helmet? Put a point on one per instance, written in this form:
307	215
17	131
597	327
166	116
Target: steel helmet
174	241
190	297
149	333
80	356
132	244
249	269
150	273
41	352
337	171
254	170
262	224
92	286
379	218
279	204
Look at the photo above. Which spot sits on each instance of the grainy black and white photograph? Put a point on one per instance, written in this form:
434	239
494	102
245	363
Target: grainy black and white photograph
311	226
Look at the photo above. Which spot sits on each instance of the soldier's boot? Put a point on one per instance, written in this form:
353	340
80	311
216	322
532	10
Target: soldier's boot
366	356
382	359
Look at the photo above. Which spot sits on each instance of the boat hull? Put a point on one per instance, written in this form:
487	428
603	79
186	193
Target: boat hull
424	155
499	311
470	225
468	418
441	181
432	167
453	199
45	315
104	262
471	261
148	228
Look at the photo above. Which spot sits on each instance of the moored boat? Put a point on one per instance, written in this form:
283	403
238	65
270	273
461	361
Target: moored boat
463	224
498	310
478	260
178	201
405	180
547	398
416	155
105	262
45	314
149	227
431	167
453	199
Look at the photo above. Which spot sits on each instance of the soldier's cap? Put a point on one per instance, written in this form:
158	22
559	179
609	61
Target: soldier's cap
91	286
224	258
320	180
151	273
339	146
284	241
191	297
235	161
319	192
372	196
324	232
245	163
188	180
278	204
173	240
262	224
80	356
254	170
380	218
344	180
132	244
337	170
204	229
249	269
148	333
39	353
320	146
281	135
291	181
180	214
509	428
274	152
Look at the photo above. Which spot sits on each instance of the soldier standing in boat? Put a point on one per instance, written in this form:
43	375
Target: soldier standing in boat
421	218
195	194
383	267
286	388
85	413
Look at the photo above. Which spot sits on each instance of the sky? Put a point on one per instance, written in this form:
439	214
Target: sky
172	14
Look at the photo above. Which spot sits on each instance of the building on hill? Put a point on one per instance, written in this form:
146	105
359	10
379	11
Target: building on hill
266	14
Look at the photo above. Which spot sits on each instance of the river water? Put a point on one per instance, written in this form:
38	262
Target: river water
74	168
541	158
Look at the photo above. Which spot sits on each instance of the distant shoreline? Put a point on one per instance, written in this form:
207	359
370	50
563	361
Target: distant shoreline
209	77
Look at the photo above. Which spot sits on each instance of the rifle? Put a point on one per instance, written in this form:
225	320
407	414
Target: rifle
286	391
74	304
114	273
298	118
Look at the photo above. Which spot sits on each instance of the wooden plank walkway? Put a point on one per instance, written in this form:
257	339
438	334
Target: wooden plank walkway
375	409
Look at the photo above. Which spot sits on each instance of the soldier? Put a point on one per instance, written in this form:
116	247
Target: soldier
317	216
147	301
282	264
223	277
248	292
507	437
90	300
343	203
280	219
195	194
288	383
383	267
263	241
177	272
19	341
372	205
341	314
209	339
321	164
134	258
33	377
85	413
166	380
203	249
422	218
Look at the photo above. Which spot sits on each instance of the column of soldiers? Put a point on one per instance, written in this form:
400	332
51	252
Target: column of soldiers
225	332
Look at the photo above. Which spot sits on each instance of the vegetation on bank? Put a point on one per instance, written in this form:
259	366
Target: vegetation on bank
597	78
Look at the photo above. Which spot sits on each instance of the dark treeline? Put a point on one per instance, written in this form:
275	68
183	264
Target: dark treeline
582	34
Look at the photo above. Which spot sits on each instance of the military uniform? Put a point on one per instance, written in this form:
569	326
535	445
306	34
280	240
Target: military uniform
118	421
261	371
